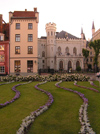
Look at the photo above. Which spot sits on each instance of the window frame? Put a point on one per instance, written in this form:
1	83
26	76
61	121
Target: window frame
30	26
29	49
1	37
2	47
17	25
17	37
29	66
2	69
30	37
17	68
16	49
3	58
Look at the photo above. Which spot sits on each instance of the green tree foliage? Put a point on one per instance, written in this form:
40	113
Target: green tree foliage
85	54
96	46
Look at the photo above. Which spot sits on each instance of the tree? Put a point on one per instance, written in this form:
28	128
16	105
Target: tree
96	46
85	54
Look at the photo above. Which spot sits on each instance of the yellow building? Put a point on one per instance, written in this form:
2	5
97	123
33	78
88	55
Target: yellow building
23	42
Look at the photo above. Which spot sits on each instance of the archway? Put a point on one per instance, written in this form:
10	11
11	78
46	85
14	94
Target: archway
61	65
77	64
69	67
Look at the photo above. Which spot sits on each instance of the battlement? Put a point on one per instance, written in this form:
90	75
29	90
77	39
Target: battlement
50	24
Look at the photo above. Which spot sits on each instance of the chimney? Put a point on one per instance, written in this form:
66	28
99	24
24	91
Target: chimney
35	9
25	10
0	23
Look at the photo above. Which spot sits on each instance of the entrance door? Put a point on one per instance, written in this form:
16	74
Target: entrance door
61	65
69	67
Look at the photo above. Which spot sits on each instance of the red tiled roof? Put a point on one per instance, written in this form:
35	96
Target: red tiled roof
23	14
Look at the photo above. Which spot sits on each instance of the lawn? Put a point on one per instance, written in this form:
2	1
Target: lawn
61	118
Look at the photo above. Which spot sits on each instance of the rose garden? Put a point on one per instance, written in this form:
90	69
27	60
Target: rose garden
49	104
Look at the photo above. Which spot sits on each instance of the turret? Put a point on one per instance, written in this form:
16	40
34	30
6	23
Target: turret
51	48
82	35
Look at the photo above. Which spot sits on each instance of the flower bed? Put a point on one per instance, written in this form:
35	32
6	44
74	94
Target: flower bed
93	89
30	119
85	124
55	77
91	82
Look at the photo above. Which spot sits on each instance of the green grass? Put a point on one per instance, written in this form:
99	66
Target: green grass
61	118
11	116
94	102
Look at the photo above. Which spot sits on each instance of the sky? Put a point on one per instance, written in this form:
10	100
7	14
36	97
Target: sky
69	15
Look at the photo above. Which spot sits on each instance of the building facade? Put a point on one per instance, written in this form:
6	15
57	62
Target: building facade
4	47
60	51
23	42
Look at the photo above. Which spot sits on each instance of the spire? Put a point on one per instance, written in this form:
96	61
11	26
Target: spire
93	27
81	30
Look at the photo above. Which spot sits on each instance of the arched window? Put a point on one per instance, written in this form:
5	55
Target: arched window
77	64
74	51
59	50
43	54
67	50
61	65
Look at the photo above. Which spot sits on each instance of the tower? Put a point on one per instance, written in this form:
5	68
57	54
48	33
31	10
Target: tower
51	46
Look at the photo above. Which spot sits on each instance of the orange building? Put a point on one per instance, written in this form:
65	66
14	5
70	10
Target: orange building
23	42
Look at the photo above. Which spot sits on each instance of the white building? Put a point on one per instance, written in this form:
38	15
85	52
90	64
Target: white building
60	50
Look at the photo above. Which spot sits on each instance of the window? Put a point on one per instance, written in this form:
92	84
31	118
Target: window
43	54
17	37
17	66
29	25
75	51
90	59
2	59
2	69
17	25
30	37
51	33
30	50
17	50
67	50
42	61
90	52
59	50
29	66
1	47
1	37
77	64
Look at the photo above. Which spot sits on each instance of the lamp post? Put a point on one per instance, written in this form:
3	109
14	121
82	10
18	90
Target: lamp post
98	75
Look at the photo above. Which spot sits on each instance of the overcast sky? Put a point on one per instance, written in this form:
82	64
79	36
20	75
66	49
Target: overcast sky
69	15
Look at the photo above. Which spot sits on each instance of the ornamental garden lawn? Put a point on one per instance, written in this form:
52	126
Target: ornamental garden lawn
62	117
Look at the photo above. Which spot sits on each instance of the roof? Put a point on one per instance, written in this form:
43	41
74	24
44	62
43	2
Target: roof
25	14
64	34
43	37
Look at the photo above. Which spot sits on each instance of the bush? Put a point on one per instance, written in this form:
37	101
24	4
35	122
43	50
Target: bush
78	68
